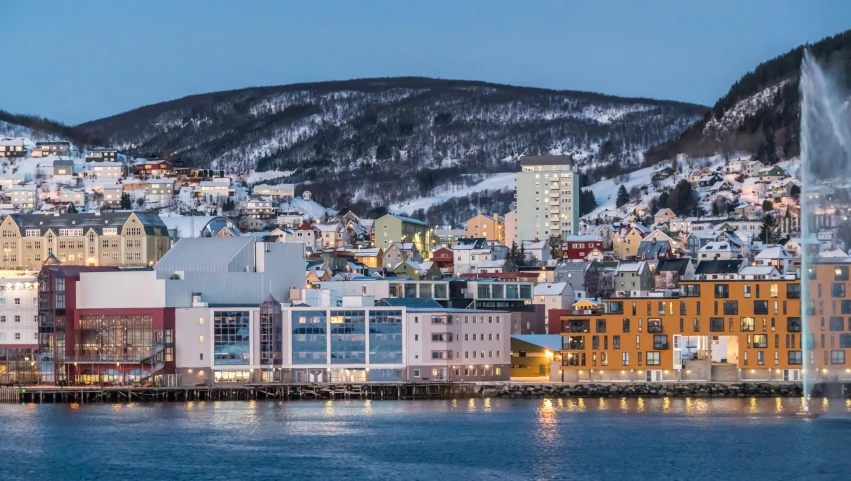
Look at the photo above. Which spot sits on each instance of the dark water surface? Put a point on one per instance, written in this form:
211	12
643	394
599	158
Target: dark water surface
429	440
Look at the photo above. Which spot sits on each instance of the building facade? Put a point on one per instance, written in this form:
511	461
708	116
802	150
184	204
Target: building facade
547	197
126	239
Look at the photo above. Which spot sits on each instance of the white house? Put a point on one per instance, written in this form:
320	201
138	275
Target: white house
112	194
281	191
161	190
537	251
554	295
110	171
718	251
777	257
209	188
72	195
469	252
23	196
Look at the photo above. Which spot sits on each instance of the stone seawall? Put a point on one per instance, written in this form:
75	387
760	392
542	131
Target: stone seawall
750	389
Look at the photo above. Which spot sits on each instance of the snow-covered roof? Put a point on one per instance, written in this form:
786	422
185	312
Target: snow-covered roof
493	264
532	245
774	252
631	266
160	181
758	271
581	238
834	253
550	288
719	246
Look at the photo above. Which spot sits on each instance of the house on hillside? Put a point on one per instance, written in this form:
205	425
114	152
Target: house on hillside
663	216
633	279
771	174
670	272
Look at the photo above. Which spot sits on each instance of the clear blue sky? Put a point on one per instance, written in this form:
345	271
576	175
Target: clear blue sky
82	60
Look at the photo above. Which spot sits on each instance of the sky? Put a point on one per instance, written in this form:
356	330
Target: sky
83	60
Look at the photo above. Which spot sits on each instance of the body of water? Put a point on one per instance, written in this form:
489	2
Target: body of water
429	440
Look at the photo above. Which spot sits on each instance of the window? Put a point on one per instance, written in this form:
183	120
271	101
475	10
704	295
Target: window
662	308
654	325
747	290
660	341
837	357
691	290
722	291
760	307
653	358
793	291
683	308
601	325
696	324
416	373
616	342
760	341
840	273
716	324
17	318
626	325
731	307
595	342
17	301
793	324
625	359
845	340
795	358
747	324
837	323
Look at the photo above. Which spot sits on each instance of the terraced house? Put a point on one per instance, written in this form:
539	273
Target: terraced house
124	239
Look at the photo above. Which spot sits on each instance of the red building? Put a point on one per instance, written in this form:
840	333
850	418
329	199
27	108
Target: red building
577	247
443	257
99	346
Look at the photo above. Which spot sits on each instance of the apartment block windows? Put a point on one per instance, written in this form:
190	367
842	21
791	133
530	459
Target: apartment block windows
653	358
731	308
840	273
660	341
722	291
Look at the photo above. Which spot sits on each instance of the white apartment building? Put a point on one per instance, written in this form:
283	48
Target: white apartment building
547	190
112	195
160	190
457	345
209	188
110	171
281	191
23	196
18	309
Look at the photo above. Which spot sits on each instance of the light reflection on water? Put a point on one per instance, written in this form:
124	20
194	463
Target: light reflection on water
511	439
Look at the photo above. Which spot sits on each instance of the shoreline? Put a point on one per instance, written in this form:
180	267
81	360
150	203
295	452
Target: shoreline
412	391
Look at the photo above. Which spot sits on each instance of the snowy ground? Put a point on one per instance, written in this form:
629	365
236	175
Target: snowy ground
496	182
258	177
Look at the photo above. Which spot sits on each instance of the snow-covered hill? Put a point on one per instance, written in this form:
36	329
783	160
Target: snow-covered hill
385	141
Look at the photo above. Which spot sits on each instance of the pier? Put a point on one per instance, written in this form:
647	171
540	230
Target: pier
118	394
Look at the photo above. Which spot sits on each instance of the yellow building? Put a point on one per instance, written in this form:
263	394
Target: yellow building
491	228
121	238
626	242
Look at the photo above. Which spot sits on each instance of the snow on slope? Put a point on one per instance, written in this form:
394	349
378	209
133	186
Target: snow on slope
503	181
735	115
309	208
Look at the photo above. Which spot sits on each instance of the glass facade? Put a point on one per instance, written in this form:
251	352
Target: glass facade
385	337
309	337
231	344
348	337
18	366
271	334
118	338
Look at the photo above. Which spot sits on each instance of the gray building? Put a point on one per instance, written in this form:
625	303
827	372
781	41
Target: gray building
547	190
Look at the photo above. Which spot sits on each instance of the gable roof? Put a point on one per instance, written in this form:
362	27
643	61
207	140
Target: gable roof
730	266
470	243
678	266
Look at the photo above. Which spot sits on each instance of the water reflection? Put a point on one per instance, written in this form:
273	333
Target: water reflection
487	406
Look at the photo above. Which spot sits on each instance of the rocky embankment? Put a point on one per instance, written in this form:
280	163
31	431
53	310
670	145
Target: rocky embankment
643	390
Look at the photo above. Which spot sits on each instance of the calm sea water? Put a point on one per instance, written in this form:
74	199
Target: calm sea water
465	439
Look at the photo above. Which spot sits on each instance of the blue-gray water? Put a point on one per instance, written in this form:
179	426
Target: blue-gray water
428	440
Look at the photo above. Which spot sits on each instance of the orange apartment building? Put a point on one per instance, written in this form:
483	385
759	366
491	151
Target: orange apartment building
723	329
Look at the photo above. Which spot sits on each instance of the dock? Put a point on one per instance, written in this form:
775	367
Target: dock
282	392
